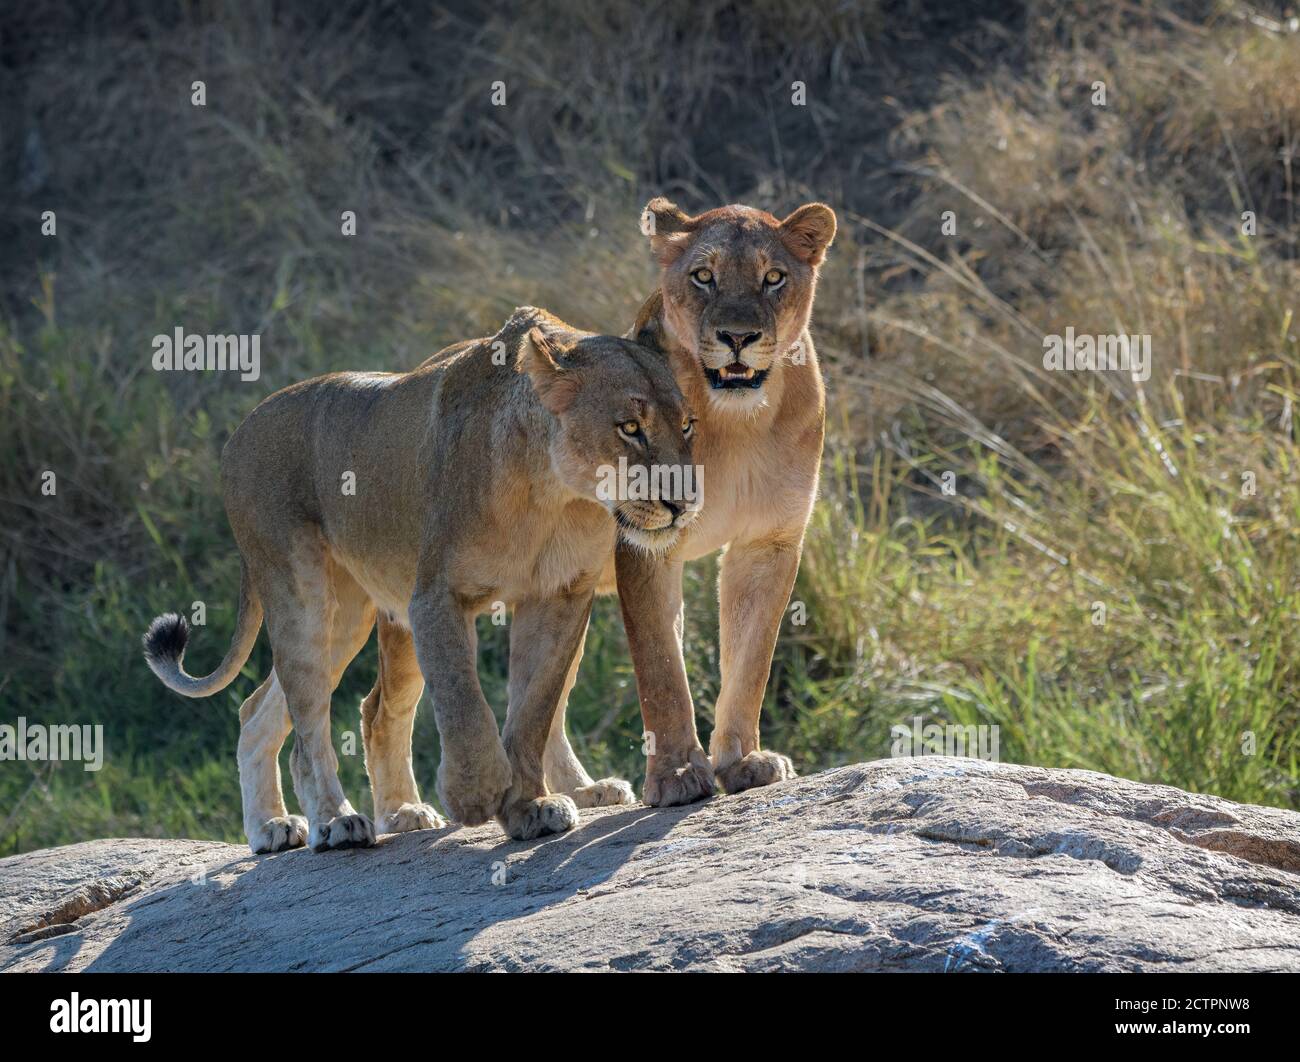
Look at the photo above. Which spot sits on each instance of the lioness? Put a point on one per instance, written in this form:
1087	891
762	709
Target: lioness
732	314
424	498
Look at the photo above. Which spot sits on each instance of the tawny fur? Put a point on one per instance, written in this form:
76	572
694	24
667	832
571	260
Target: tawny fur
760	450
475	483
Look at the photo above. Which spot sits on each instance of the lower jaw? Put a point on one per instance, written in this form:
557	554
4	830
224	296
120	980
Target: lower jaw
718	383
654	541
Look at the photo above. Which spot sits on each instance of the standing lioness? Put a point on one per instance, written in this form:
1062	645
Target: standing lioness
731	314
425	498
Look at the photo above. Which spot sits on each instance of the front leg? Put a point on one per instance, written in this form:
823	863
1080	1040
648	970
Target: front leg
650	595
474	773
545	635
756	581
564	771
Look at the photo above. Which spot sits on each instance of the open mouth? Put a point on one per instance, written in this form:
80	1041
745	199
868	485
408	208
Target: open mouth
737	374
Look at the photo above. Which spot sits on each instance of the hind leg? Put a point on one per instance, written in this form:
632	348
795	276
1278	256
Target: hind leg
564	771
387	716
315	615
263	726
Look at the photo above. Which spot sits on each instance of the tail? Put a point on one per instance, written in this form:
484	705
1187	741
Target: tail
164	646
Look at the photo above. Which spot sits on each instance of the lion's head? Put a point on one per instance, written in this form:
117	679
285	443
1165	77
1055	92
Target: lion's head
624	436
737	288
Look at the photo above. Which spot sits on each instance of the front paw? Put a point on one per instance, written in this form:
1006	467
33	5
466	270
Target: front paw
345	831
670	781
755	769
525	819
277	834
410	817
474	795
604	793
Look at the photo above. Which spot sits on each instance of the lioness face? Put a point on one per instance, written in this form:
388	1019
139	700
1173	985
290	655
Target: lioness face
738	289
625	433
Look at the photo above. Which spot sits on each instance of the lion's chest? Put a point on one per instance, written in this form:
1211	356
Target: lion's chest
538	555
750	493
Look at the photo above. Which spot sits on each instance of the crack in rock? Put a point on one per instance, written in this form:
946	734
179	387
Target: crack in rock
84	901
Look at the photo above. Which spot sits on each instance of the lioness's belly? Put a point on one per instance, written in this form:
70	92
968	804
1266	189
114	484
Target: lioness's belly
389	579
531	569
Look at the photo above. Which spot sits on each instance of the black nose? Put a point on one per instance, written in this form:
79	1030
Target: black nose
738	341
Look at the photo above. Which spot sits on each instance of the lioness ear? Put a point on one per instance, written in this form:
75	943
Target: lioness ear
647	330
809	231
555	385
667	228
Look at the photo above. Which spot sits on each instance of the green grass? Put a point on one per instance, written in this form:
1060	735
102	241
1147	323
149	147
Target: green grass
1076	496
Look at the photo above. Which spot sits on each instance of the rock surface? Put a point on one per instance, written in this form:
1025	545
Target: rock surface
922	864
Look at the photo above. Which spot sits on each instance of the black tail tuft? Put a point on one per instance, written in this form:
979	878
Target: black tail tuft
164	641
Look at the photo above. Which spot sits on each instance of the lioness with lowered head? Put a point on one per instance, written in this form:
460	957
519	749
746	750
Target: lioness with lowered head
477	479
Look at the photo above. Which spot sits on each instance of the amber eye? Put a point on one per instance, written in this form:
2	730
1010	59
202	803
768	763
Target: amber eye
688	427
703	277
773	279
629	428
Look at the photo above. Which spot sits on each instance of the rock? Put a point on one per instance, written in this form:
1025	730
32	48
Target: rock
919	864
